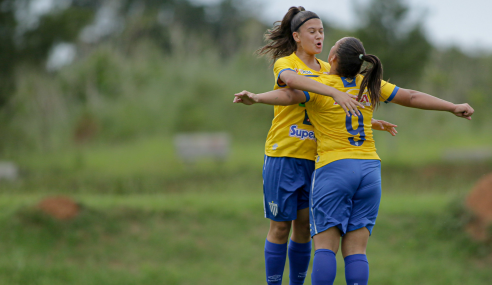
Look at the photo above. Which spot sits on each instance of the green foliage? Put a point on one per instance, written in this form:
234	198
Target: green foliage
401	46
7	50
181	26
457	77
26	38
452	225
53	28
138	94
163	73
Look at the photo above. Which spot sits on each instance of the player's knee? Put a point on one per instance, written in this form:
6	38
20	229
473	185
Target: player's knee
304	234
302	229
355	242
280	230
307	231
352	249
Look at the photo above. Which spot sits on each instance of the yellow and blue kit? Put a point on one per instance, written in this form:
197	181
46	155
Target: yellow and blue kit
290	149
340	136
346	185
291	133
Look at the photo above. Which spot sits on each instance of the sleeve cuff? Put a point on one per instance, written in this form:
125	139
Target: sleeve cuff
392	94
307	96
278	77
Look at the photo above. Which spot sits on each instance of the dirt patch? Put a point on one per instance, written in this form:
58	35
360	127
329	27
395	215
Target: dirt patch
86	129
62	208
479	202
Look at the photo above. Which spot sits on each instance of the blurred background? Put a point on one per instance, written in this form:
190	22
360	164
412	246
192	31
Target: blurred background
124	161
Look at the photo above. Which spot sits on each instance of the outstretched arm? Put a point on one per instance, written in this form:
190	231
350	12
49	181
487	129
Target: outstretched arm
288	96
282	97
420	100
296	81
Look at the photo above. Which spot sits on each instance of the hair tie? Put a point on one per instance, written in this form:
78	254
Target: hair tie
302	23
360	56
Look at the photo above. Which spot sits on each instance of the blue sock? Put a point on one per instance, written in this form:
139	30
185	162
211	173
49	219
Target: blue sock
275	255
356	269
324	267
299	256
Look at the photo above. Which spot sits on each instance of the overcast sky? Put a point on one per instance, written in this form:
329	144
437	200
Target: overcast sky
467	24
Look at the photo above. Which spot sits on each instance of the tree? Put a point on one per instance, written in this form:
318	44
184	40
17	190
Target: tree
29	43
400	44
7	50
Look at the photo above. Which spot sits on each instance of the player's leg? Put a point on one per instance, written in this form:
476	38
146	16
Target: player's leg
300	227
330	208
300	230
279	232
276	250
362	219
299	248
354	246
325	263
355	242
280	206
300	242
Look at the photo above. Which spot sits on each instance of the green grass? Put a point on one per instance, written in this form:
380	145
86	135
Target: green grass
213	238
150	165
149	218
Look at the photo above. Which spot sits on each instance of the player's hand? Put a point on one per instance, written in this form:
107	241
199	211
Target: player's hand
463	111
384	126
245	97
347	102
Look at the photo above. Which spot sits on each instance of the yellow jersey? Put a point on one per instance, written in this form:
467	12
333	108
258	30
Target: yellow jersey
291	133
339	136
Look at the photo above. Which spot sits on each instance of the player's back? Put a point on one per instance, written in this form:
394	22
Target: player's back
338	135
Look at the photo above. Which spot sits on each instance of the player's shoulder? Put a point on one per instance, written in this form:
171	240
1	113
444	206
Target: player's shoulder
289	59
330	80
358	79
384	83
326	79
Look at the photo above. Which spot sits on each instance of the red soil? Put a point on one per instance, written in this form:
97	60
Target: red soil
61	208
479	202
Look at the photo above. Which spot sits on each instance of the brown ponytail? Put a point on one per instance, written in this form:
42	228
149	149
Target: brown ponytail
351	54
280	40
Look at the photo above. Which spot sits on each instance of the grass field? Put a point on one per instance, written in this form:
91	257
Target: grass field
149	219
215	238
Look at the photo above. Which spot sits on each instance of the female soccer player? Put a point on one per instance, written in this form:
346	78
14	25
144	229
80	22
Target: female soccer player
346	185
291	147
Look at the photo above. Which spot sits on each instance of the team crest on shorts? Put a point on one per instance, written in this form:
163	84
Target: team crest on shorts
273	208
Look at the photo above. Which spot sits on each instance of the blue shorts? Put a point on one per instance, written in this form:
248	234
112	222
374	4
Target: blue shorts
345	194
286	185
